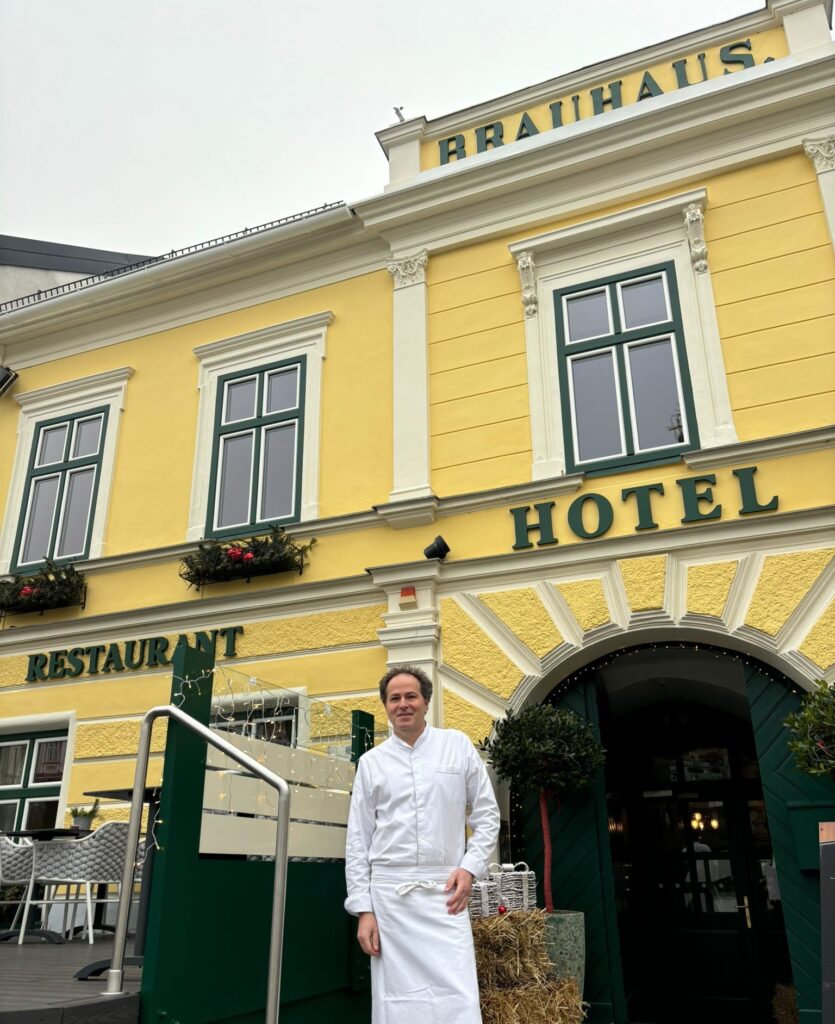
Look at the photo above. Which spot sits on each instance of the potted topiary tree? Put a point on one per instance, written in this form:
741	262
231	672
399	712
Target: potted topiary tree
813	725
83	817
557	754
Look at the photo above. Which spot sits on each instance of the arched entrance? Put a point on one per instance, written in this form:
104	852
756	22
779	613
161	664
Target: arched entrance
672	854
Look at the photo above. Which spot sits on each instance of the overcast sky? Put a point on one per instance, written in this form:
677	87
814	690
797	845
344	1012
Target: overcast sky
147	125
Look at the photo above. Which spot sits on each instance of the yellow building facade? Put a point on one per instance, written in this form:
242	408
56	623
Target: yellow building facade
585	333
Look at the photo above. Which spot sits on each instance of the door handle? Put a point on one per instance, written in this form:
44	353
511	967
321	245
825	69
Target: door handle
744	906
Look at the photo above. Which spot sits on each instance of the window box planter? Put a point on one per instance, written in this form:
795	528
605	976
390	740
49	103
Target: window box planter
54	586
216	562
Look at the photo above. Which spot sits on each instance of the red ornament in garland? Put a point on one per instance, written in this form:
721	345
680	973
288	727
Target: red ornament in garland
26	591
234	554
248	556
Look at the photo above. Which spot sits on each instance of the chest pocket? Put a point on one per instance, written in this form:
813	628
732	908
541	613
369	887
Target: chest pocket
449	783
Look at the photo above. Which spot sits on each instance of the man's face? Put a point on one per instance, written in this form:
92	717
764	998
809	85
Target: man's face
405	706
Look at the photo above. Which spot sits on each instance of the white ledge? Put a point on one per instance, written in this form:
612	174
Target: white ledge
768	448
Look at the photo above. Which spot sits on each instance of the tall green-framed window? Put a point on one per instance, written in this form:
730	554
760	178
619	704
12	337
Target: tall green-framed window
31	770
623	370
257	454
60	491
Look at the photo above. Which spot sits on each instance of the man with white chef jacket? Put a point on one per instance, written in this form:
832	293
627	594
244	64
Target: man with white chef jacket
409	870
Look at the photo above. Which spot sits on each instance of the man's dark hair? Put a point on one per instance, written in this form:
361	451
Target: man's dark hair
407	670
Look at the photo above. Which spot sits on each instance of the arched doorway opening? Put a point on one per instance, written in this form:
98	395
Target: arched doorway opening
673	854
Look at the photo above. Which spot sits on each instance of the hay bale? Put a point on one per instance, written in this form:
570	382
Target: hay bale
784	1005
510	950
554	1002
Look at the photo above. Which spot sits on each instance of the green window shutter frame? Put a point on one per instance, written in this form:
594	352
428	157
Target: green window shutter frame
617	340
26	791
257	425
62	468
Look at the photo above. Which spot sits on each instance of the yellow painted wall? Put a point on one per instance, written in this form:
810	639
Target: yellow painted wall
149	503
771	43
773	274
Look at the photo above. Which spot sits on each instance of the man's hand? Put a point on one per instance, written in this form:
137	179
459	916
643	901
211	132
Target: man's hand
459	884
367	934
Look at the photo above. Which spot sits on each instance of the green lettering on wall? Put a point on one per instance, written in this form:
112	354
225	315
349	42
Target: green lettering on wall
680	68
94	653
75	662
748	493
36	670
206	642
643	503
113	662
452	147
526	128
575	102
605	515
544	525
692	498
134	661
728	55
599	102
556	114
230	635
489	135
57	667
649	87
157	651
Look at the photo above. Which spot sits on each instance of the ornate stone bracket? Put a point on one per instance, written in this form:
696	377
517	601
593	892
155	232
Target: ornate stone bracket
694	224
410	270
527	275
821	152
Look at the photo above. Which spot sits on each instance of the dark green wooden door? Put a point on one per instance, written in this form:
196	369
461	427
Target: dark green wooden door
794	804
582	872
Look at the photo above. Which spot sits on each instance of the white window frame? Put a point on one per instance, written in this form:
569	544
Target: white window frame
570	359
307	337
620	243
685	426
31	784
65	399
41	800
10	803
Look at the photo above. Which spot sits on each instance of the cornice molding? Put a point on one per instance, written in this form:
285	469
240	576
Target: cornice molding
768	448
302	329
93	387
821	152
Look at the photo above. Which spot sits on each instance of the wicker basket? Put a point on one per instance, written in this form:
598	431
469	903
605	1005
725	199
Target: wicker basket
483	901
516	889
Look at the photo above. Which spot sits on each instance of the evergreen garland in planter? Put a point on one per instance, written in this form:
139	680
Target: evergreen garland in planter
54	586
814	726
550	750
220	562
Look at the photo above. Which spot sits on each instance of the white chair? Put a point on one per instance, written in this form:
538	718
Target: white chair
16	868
98	859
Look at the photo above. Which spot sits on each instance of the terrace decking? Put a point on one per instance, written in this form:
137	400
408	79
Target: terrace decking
37	985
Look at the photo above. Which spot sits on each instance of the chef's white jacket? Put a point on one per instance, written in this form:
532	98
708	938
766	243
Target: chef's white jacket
409	807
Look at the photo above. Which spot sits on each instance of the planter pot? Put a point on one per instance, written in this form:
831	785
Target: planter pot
565	937
83	824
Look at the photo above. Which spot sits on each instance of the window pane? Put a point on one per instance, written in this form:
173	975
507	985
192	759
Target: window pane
644	303
588	316
41	814
657	414
282	388
235	486
73	532
596	412
279	471
52	444
41	514
8	813
87	434
240	400
49	760
12	758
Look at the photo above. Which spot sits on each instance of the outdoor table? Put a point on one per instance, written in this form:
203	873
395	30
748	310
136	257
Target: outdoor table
150	796
42	835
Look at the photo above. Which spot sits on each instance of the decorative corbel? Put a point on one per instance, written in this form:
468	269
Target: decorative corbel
527	275
821	152
410	270
694	223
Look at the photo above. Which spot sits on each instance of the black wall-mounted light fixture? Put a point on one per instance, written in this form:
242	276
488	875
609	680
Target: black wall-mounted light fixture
7	378
437	549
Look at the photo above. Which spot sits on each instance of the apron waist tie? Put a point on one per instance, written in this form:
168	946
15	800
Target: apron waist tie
423	883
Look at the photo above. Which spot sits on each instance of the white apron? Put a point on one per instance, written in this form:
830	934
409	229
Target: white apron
425	973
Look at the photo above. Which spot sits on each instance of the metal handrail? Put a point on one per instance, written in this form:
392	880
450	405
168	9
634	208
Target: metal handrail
115	975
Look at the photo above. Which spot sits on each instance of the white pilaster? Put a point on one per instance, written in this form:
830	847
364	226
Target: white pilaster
804	22
411	378
822	154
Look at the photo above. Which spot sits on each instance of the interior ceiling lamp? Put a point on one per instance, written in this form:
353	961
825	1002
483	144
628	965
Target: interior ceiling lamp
7	378
437	549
